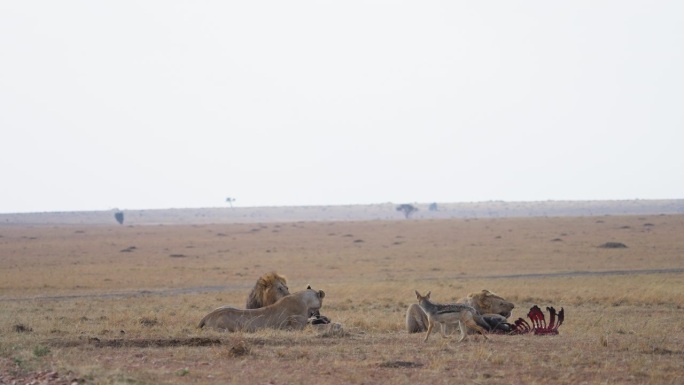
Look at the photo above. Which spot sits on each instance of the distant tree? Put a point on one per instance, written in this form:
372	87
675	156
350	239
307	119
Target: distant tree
433	206
407	209
119	217
230	201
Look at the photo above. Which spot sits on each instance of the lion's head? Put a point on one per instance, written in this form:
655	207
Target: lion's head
268	289
486	302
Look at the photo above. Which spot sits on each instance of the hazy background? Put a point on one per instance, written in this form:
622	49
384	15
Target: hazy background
158	104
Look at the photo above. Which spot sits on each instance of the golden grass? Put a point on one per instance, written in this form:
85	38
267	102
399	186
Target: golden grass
117	304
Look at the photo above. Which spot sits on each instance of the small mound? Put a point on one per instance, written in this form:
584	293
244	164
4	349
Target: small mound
240	348
613	245
149	322
20	328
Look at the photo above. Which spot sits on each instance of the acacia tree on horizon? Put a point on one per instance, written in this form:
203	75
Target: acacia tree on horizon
230	201
407	209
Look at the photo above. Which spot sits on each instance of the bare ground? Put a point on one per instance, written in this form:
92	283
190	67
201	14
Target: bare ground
119	304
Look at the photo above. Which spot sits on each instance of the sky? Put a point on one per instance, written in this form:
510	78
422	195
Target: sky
179	104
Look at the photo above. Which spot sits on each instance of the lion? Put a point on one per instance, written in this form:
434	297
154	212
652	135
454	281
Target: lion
486	302
269	288
289	312
493	310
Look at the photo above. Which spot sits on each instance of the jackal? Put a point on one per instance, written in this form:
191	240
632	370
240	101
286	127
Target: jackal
449	314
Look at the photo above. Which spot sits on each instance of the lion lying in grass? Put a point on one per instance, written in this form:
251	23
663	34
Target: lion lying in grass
493	309
289	312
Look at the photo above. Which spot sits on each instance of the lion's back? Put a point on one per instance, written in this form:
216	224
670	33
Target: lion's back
225	317
289	312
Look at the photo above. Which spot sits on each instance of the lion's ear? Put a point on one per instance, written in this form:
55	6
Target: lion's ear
486	293
321	293
308	287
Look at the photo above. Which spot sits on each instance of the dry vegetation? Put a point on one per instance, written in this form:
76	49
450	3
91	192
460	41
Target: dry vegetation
120	304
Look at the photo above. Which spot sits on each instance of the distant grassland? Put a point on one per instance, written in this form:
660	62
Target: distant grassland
119	304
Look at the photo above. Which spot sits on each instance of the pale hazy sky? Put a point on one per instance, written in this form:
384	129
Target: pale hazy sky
158	104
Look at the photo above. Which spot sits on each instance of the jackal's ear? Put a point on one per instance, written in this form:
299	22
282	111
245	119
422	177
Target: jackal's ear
428	294
417	294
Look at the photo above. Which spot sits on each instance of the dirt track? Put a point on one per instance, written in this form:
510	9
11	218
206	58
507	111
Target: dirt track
213	289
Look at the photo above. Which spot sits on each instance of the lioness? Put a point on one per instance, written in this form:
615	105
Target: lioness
493	309
289	312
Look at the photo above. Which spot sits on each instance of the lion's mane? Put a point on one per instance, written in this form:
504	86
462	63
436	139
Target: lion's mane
486	302
269	288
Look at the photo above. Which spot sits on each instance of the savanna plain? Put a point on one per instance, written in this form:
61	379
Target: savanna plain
120	304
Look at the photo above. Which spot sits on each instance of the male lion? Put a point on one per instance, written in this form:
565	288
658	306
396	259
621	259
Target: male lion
268	289
289	312
493	311
271	287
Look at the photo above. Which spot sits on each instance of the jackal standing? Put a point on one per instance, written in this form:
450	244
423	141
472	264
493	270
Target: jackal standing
449	314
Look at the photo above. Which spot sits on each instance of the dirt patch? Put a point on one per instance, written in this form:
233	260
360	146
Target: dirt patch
400	364
133	294
11	373
136	343
657	350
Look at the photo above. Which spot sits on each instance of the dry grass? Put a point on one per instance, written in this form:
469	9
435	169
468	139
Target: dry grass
120	304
